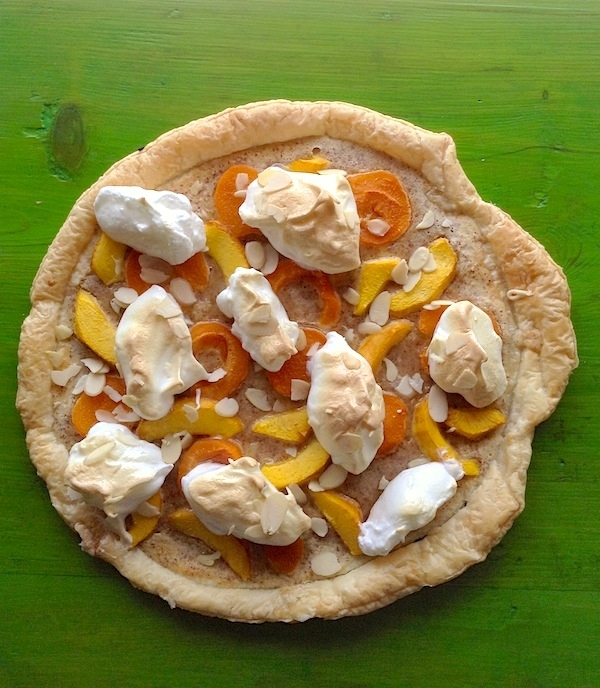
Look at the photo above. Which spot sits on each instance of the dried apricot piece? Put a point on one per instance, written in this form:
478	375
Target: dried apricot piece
313	164
284	558
83	414
429	318
236	360
214	449
295	367
287	272
380	195
394	423
228	200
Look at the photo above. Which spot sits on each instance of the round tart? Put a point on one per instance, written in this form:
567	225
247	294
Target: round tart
284	363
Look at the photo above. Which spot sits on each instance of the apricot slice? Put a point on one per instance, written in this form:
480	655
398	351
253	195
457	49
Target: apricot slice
475	423
431	285
214	449
343	514
394	423
92	327
377	345
83	414
374	274
284	558
236	361
298	469
428	319
143	526
226	249
295	367
227	203
233	551
207	422
428	436
287	426
107	259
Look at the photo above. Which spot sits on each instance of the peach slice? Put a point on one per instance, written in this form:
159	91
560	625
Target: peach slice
143	526
431	285
343	514
206	421
475	423
226	250
108	259
298	469
92	327
374	274
287	426
233	550
377	345
428	436
313	164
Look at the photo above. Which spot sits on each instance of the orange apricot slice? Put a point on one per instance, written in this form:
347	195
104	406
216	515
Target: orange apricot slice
284	558
143	526
228	202
295	367
83	414
343	514
214	449
394	423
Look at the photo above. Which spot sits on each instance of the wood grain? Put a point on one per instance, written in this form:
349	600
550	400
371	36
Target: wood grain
518	87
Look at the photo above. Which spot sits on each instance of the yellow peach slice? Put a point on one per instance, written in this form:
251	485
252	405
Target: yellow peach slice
343	514
374	274
313	164
142	526
231	549
434	445
288	426
475	423
377	345
298	469
227	251
92	327
431	285
206	421
108	258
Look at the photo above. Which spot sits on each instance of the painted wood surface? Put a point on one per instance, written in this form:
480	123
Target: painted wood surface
517	84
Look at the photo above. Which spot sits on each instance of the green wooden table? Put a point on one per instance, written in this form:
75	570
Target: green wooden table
518	86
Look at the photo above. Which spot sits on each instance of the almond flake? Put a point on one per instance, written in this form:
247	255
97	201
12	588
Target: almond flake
400	272
446	224
416	382
368	327
206	559
437	303
62	332
258	398
95	365
411	281
419	259
123	414
391	370
152	276
227	407
297	493
216	375
427	221
147	510
456	341
271	259
378	226
79	386
315	486
437	403
170	449
379	311
301	342
99	454
333	476
273	512
430	265
383	483
182	290
417	462
291	451
241	181
94	384
516	294
62	377
404	388
313	349
299	389
112	393
104	416
56	358
191	413
179	328
277	180
195	187
255	254
168	309
319	526
125	296
325	564
351	296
